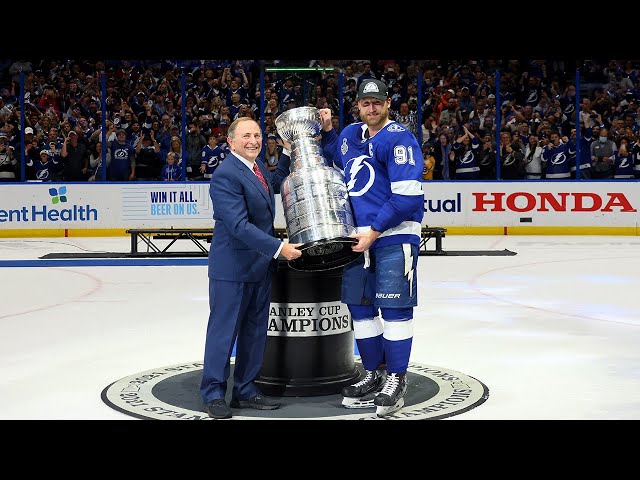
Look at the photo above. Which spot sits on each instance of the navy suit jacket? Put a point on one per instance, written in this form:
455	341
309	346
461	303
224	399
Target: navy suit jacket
243	242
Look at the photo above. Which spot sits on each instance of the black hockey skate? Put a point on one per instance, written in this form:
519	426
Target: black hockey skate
362	393
391	398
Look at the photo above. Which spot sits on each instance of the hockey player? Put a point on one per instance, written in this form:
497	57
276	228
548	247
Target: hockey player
382	163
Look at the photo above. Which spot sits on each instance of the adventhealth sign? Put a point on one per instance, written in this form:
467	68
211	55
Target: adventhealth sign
45	213
42	213
105	206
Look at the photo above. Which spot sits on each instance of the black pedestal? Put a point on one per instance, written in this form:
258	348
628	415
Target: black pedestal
309	348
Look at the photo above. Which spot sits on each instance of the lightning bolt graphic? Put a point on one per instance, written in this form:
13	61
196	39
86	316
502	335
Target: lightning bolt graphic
356	165
408	265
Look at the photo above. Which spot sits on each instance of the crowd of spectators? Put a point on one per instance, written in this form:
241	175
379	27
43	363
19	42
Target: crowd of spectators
467	128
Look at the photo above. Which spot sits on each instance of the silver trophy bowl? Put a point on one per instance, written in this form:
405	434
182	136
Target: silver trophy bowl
315	199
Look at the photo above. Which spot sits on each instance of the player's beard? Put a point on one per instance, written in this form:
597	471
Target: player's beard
377	121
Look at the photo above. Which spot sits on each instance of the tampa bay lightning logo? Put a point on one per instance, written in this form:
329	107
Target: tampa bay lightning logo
569	108
467	157
510	159
42	174
624	162
121	153
361	176
532	99
558	158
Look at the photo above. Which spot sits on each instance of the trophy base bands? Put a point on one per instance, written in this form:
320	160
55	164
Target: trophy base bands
325	254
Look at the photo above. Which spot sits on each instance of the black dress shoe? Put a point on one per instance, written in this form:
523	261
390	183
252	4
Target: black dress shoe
218	409
259	402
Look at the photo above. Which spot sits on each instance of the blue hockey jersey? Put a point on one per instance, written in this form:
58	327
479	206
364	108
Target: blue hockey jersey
383	175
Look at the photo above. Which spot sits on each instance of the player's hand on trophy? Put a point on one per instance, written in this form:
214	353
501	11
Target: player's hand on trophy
325	116
290	252
365	239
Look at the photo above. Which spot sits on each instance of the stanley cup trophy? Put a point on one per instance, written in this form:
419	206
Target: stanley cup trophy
315	199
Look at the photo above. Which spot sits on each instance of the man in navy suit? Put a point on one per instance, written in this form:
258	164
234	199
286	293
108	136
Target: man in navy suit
242	258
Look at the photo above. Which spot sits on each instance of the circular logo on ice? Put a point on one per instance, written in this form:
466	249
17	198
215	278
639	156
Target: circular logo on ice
173	393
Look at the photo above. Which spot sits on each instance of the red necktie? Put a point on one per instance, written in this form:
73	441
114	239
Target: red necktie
260	177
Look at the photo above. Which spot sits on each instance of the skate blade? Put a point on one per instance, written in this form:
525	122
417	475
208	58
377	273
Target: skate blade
383	411
354	402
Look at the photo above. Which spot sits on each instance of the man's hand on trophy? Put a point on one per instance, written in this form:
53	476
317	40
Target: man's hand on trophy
290	252
325	116
365	239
